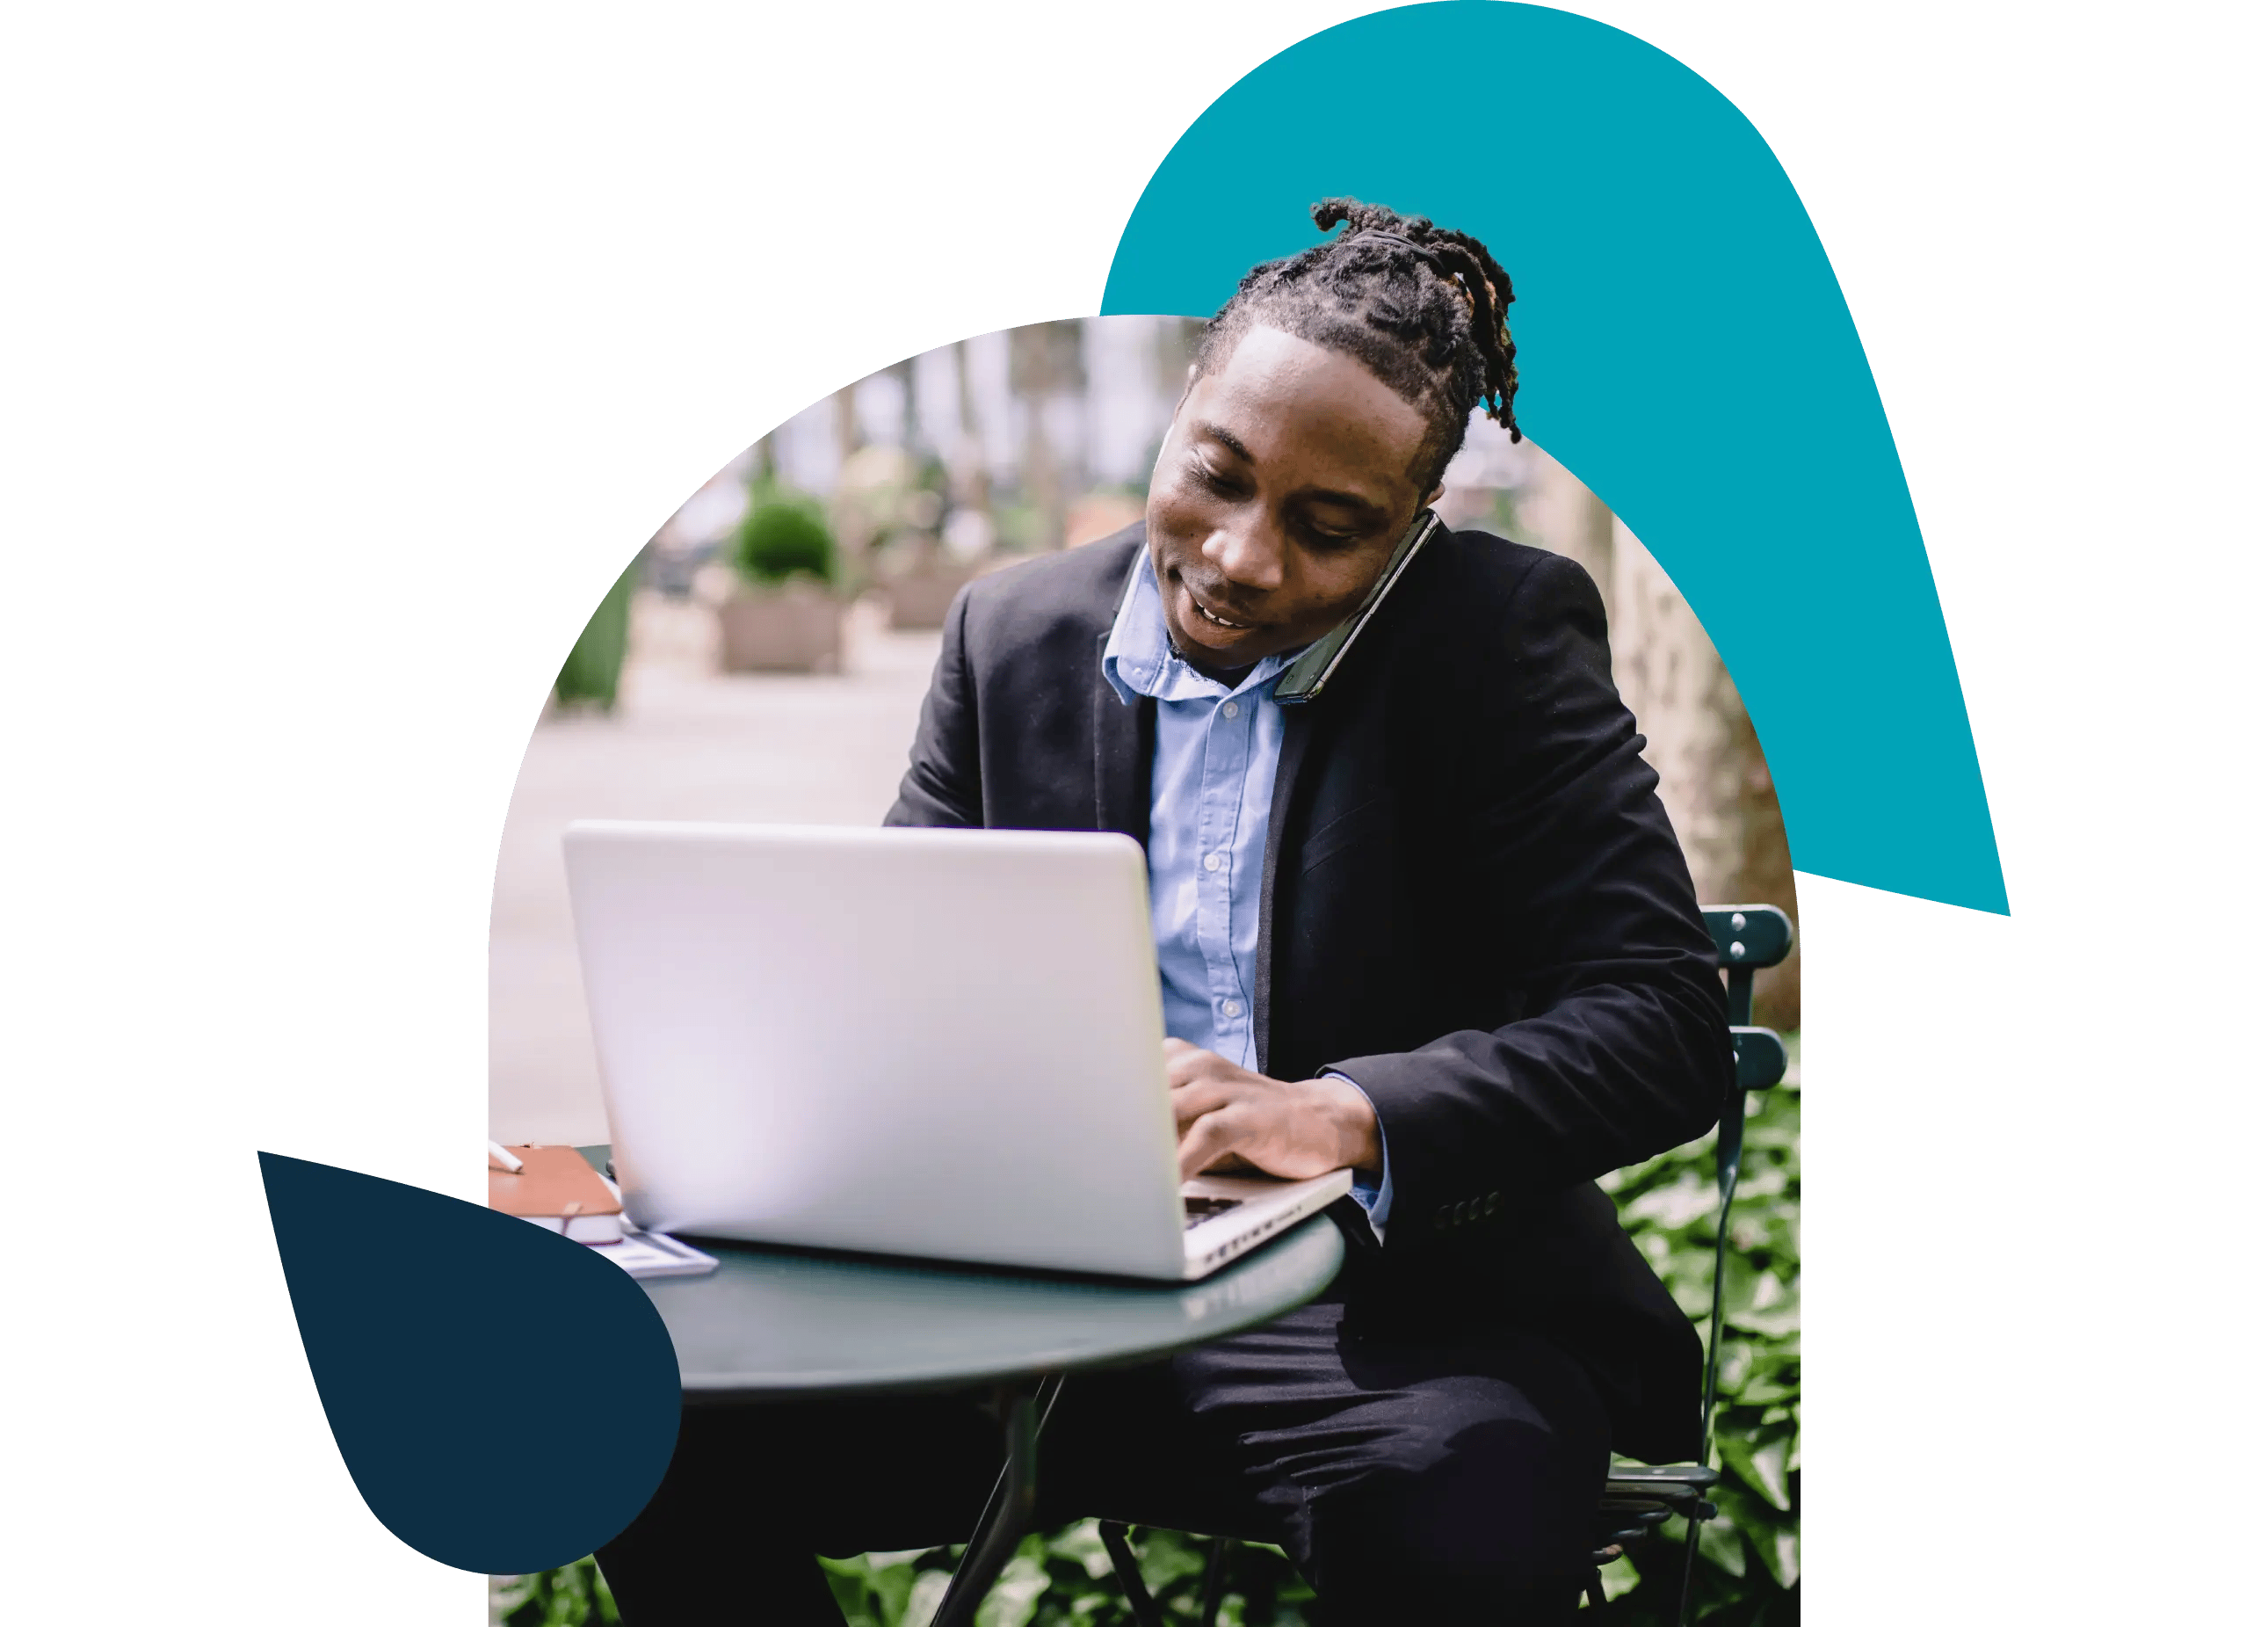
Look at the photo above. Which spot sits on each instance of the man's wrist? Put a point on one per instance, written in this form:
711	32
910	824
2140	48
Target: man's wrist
1355	1123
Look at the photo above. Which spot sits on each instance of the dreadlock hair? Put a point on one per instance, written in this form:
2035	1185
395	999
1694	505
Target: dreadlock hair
1421	307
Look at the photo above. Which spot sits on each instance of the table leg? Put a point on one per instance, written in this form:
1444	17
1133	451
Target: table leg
1008	1515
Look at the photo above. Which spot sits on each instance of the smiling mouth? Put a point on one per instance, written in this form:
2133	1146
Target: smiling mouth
1222	622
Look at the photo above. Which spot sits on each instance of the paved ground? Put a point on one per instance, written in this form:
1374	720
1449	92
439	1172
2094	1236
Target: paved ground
683	743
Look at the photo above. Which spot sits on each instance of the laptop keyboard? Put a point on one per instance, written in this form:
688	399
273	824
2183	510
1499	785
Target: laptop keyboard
1196	1209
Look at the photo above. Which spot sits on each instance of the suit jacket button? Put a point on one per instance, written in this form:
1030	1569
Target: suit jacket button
1441	1218
1495	1202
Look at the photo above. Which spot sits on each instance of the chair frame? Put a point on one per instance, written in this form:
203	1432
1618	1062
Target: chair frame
1637	1500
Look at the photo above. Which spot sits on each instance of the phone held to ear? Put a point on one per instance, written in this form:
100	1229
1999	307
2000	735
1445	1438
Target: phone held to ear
1304	679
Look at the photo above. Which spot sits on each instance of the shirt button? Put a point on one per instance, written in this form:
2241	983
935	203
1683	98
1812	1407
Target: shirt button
1232	1008
1212	860
1229	709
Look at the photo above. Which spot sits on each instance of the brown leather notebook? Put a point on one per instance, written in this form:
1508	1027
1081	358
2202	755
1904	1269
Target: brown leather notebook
557	1190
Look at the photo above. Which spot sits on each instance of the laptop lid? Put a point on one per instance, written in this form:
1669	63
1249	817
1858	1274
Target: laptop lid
937	1043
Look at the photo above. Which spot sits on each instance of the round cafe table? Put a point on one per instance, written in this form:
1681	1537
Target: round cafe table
778	1325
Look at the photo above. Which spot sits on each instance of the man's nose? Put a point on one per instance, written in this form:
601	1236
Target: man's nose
1250	555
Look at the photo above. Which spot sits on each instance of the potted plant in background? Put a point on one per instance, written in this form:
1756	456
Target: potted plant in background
937	549
943	563
782	614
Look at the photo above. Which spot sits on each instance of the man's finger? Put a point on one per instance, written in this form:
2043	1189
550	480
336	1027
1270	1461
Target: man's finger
1197	1098
1189	1063
1208	1141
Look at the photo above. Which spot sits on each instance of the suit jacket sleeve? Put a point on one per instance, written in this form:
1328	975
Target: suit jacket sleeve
1619	1049
943	779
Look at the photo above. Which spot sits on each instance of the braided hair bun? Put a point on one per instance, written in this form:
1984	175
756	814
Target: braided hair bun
1420	306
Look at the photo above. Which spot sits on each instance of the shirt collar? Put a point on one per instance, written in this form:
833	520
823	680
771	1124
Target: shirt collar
1138	658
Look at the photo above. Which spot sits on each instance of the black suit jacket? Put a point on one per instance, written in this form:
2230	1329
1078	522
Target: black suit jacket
1473	907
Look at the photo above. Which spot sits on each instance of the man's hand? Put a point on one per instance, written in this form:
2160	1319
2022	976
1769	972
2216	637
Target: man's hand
1229	1117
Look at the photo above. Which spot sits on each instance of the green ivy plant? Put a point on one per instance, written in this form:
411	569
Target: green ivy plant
575	1595
1064	1580
1746	1574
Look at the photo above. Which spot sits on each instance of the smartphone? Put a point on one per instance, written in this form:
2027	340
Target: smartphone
1304	679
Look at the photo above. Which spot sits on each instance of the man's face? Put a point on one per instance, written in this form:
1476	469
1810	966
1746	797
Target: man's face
1285	481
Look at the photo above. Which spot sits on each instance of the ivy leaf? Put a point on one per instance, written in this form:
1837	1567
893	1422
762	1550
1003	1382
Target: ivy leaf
1770	1463
1672	1206
928	1592
1082	1544
1015	1597
1782	1556
1766	1305
1721	1546
1751	1519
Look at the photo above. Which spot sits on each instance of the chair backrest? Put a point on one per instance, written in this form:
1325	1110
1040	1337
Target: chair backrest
1750	938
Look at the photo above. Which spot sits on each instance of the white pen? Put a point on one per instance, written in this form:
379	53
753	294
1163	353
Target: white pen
505	1158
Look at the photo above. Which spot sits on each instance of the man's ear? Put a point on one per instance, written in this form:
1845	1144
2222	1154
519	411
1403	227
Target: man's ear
1433	497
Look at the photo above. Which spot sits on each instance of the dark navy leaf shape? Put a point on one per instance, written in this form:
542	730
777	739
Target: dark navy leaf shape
505	1399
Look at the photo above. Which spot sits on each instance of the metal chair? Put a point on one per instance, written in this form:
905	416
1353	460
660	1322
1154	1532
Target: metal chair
1636	1501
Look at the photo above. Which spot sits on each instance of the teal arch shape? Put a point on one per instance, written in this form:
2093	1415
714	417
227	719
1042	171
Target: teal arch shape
1684	348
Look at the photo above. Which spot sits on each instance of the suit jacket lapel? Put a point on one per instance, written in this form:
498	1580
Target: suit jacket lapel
1124	737
1299	729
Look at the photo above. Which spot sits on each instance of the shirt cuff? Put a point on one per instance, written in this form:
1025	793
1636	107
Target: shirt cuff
1375	1198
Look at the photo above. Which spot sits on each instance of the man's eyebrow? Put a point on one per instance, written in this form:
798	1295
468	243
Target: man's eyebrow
1343	499
1217	433
1318	494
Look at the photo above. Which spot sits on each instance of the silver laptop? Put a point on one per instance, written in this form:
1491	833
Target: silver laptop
942	1043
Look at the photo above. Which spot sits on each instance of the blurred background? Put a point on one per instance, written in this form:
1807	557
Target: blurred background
764	658
764	655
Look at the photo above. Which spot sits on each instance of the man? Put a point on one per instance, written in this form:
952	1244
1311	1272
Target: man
1430	926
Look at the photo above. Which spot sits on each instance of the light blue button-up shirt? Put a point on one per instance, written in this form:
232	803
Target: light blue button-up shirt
1213	779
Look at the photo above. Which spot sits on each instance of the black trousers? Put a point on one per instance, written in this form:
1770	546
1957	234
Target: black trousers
1450	1481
